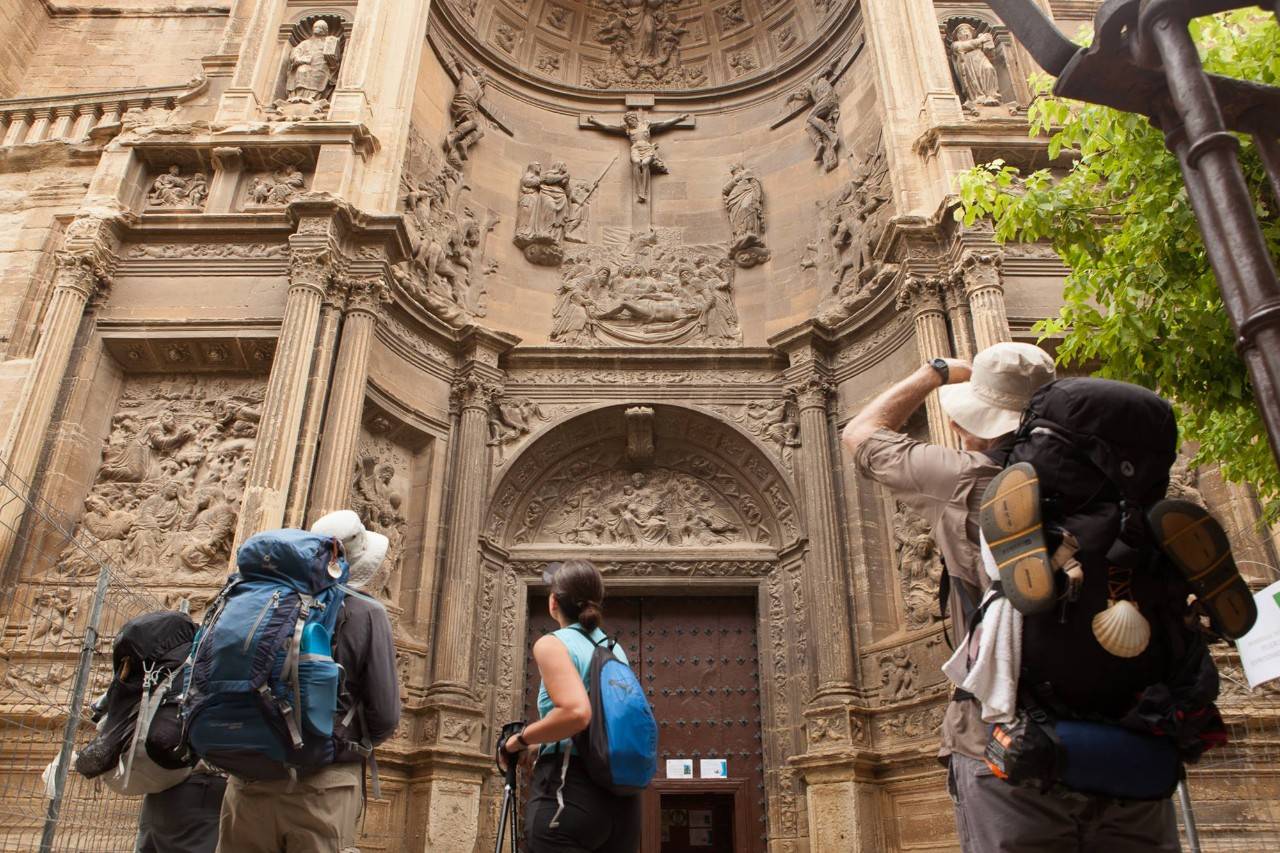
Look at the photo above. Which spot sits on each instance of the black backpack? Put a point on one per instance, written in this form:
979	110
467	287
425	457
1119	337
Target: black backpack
1103	451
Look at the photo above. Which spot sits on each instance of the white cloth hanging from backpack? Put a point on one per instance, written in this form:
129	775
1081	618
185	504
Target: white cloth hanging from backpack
990	671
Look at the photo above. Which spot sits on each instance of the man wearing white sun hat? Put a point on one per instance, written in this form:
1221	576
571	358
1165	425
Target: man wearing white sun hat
320	811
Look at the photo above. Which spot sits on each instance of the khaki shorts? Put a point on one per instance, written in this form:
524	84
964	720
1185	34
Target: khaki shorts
318	816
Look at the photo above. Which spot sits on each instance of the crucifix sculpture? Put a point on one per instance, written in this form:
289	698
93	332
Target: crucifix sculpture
644	152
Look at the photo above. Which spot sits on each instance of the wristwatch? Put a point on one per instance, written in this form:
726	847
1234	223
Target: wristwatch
944	370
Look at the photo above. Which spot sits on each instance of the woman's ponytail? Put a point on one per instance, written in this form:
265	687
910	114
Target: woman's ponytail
579	591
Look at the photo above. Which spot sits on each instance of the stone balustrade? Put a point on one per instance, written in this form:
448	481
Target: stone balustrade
81	117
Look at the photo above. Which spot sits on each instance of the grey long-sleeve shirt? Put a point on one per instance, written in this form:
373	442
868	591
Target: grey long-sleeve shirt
364	647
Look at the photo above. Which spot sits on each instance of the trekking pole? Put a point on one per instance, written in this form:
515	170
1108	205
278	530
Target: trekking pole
1188	817
509	806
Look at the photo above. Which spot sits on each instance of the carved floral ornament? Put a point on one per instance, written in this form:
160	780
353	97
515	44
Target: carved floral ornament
707	486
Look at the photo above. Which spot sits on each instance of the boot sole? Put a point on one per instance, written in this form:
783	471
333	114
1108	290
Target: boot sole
1198	546
1011	523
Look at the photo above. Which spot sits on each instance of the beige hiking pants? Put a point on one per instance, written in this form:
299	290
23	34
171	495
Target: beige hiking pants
318	816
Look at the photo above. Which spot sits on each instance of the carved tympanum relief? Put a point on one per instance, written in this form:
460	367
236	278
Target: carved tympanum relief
919	566
822	123
167	494
311	71
852	223
176	191
379	491
744	202
649	291
448	232
643	38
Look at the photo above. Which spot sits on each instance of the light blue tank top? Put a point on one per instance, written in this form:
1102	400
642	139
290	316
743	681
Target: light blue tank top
580	652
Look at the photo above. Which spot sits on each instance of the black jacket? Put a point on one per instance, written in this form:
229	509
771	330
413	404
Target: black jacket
364	647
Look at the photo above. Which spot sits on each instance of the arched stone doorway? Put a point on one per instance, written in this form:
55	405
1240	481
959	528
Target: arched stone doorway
670	502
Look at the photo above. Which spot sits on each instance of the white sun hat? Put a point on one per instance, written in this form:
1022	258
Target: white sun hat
1005	376
365	549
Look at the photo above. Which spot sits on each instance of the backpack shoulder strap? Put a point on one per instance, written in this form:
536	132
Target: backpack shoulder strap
585	633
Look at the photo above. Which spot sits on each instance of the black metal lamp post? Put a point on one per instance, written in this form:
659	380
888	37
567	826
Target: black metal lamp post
1144	61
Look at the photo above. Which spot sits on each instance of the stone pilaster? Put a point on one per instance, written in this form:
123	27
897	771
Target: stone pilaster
312	267
83	273
228	167
961	320
317	397
984	284
365	300
923	298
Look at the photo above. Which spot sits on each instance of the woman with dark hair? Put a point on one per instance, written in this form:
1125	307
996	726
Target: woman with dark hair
568	813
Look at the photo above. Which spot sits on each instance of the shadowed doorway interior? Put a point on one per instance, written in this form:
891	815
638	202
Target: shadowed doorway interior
697	657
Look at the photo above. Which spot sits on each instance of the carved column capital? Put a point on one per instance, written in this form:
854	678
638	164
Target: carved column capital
921	294
811	392
367	295
312	267
980	271
473	392
81	274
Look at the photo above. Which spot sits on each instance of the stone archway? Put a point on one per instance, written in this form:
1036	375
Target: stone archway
660	497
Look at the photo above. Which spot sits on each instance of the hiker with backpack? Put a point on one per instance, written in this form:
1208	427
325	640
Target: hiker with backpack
293	684
596	740
1071	602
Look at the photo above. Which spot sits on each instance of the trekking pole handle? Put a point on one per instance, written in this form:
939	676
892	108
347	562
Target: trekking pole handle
500	750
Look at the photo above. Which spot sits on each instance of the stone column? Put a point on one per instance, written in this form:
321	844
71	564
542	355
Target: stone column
472	396
337	460
83	273
980	272
311	270
957	303
923	297
827	591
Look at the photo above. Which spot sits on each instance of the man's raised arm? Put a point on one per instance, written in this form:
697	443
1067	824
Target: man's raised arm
891	408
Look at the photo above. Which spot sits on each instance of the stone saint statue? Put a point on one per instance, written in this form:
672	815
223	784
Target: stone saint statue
644	153
970	52
822	123
744	202
464	110
313	66
542	213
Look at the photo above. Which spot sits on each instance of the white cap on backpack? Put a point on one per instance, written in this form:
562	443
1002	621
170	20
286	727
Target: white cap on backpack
1005	377
365	549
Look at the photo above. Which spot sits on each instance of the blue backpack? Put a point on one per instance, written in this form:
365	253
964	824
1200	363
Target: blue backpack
620	747
262	689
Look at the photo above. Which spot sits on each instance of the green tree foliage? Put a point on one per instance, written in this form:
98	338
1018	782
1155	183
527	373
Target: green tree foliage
1141	303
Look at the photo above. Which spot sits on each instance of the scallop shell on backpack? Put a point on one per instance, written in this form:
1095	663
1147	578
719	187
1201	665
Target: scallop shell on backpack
1122	630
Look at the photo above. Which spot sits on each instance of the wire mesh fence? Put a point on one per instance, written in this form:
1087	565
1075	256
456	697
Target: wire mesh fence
60	607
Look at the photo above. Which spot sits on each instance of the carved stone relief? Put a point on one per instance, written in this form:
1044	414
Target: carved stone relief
822	124
974	57
775	422
911	725
1184	482
468	122
510	420
276	188
175	191
852	224
166	496
53	616
683	568
744	201
542	214
311	73
897	675
650	291
919	567
447	274
639	129
643	38
379	492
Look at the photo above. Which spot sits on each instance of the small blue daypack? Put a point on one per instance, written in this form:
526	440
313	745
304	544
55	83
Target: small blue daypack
620	746
262	690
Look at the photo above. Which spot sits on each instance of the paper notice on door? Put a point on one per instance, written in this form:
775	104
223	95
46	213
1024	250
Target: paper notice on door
713	768
1260	648
699	838
679	768
699	818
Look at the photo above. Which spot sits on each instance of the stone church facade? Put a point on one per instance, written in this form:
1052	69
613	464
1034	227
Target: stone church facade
524	279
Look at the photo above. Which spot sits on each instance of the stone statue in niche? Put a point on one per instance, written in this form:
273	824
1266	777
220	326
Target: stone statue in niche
1184	482
650	291
172	189
919	567
311	75
278	188
744	201
465	113
377	497
511	419
645	160
971	61
543	213
897	674
854	221
643	38
822	124
166	497
655	508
